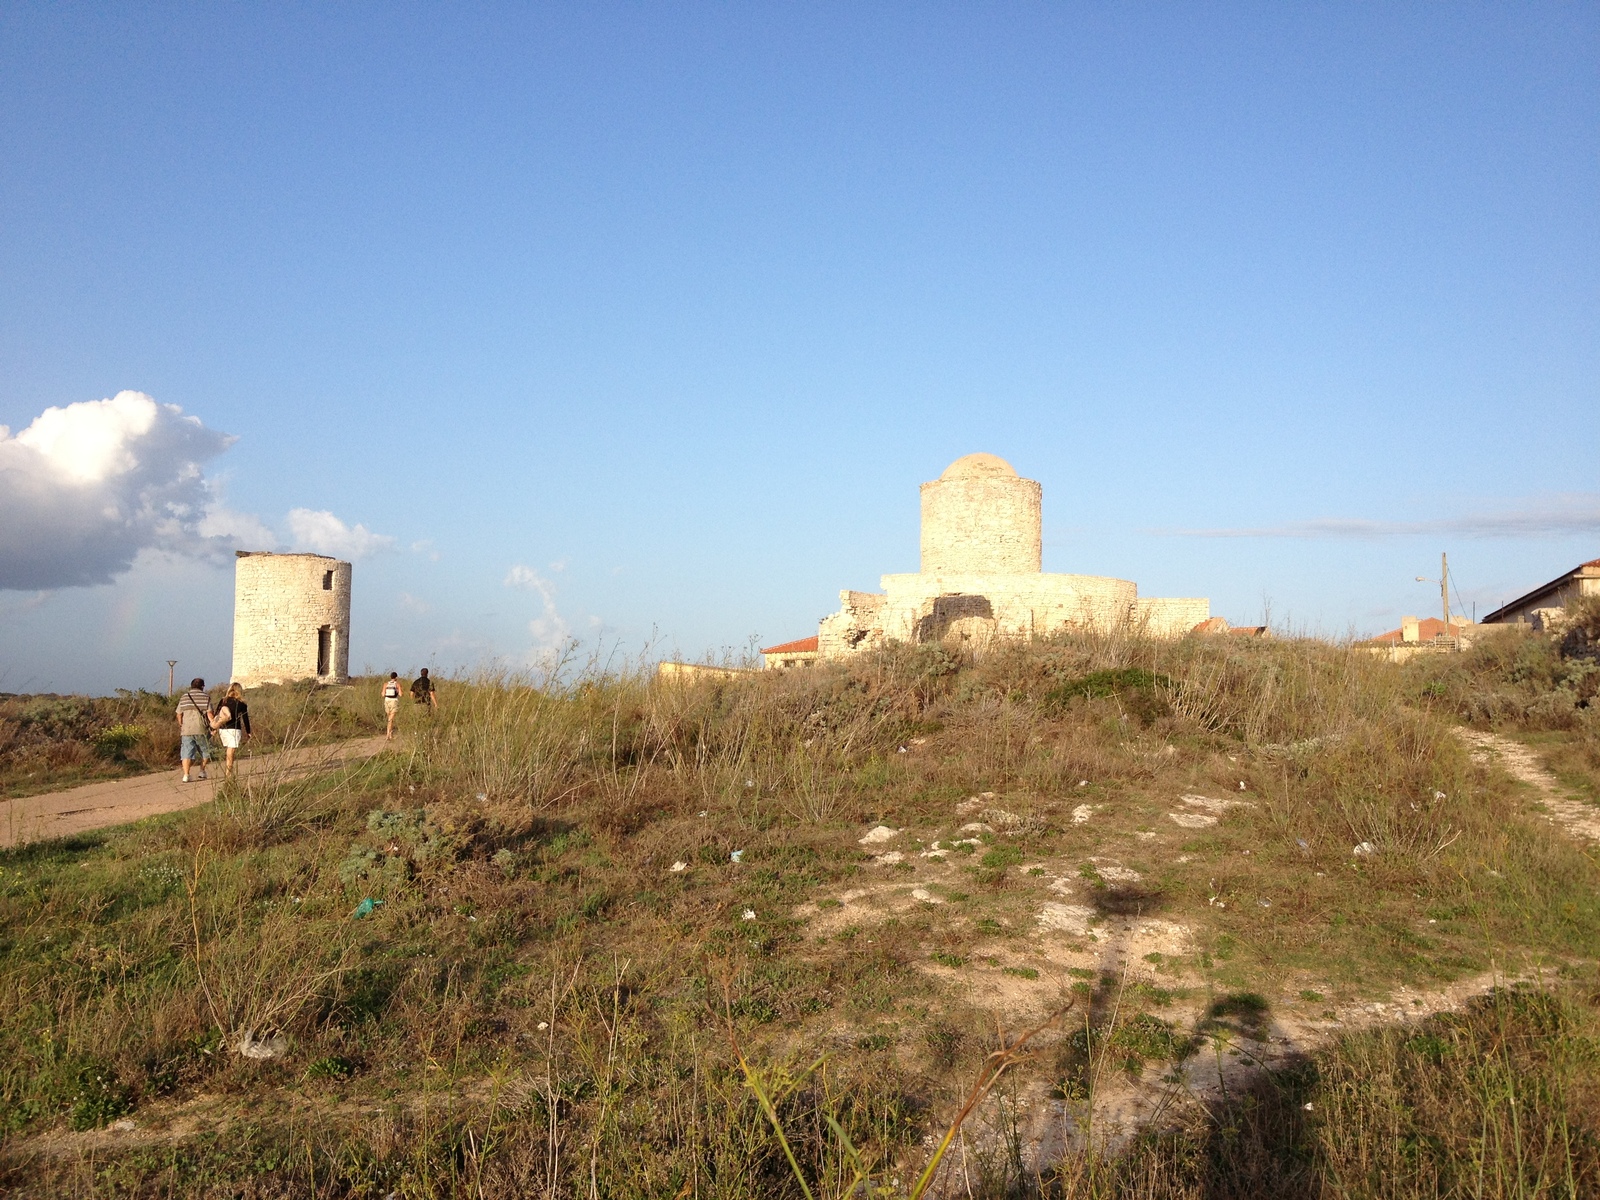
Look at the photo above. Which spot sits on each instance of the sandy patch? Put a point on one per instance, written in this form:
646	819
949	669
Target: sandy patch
1194	800
1066	918
1577	818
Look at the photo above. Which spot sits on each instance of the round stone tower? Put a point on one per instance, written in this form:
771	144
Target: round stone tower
981	518
291	618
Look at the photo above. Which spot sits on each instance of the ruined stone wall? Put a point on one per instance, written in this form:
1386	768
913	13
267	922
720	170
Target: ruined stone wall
281	603
918	607
932	608
1171	616
981	525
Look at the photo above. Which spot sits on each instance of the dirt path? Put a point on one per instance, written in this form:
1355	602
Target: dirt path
1579	819
118	801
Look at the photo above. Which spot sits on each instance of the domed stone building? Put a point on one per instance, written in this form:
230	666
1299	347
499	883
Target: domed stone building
982	576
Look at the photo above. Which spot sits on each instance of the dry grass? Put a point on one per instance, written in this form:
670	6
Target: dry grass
538	1006
51	742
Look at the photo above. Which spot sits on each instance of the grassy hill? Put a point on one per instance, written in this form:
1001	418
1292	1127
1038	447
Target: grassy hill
1272	926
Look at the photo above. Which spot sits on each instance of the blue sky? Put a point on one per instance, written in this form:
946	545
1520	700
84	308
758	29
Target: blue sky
673	307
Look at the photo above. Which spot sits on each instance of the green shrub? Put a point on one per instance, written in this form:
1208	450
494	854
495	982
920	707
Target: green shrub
116	741
100	1099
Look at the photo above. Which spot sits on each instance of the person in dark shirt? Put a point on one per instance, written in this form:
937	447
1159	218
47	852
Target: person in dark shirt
423	691
232	723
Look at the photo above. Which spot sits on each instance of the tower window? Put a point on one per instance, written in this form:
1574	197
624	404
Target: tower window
327	581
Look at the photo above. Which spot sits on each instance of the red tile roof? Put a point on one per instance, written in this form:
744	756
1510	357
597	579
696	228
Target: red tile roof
803	646
1427	629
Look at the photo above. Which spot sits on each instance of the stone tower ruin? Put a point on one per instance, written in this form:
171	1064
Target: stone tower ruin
291	618
981	518
982	577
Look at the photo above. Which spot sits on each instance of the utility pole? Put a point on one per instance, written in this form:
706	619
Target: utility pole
1444	593
171	662
1444	590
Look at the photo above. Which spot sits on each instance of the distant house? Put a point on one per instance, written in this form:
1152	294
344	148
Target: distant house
1546	604
802	653
1427	636
1429	629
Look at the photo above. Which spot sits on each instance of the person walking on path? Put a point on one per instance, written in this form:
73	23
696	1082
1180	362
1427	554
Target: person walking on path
423	691
194	727
391	702
232	723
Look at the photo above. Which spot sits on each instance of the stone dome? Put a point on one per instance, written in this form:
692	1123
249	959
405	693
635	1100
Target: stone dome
980	466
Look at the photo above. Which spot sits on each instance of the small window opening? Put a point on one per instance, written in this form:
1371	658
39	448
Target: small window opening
324	649
327	581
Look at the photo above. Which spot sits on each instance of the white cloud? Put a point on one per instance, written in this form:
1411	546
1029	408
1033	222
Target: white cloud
550	632
1544	516
325	533
87	486
244	530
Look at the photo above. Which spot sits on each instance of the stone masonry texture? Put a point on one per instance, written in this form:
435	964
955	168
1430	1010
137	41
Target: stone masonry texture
981	525
289	610
981	577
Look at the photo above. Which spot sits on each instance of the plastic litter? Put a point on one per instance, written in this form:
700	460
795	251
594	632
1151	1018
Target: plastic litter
680	865
1364	850
483	795
736	856
749	914
251	1046
365	909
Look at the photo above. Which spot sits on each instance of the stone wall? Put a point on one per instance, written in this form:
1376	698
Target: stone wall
1170	616
289	610
918	608
976	608
981	525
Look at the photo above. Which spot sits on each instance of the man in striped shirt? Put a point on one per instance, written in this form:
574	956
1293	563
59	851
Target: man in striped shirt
194	727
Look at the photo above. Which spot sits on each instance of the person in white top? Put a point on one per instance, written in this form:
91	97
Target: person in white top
391	701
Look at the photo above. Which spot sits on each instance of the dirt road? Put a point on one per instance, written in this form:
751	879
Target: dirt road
118	801
1579	819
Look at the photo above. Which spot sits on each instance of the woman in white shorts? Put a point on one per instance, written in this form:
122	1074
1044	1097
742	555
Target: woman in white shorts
232	723
391	701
